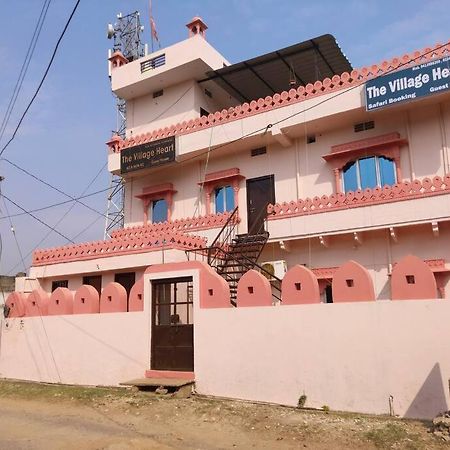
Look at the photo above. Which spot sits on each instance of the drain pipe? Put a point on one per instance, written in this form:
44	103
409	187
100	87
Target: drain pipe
408	135
443	139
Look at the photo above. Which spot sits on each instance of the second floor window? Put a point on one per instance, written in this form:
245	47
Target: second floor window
59	283
159	210
224	199
368	173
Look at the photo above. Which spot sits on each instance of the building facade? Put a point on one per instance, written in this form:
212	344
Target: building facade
276	210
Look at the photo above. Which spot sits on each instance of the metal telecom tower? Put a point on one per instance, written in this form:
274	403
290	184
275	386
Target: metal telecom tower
127	39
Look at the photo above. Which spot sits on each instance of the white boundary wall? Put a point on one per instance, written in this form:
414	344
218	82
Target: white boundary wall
89	349
350	357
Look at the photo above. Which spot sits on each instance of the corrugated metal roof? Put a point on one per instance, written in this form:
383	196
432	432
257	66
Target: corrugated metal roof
303	63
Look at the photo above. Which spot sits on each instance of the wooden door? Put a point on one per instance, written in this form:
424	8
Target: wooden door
260	192
172	345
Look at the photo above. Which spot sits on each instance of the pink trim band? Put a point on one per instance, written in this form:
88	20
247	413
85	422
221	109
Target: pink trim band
405	190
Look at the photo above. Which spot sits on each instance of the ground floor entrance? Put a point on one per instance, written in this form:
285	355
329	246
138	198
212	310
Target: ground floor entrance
172	342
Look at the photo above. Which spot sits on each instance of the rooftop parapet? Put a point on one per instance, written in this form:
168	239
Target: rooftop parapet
186	60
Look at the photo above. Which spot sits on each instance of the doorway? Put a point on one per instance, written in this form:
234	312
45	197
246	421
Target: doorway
260	192
172	342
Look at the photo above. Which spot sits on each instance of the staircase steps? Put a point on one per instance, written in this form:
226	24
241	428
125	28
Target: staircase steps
242	255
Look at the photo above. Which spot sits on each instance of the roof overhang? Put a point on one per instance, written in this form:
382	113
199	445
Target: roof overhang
299	64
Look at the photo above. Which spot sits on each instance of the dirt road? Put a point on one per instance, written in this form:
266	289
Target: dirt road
34	416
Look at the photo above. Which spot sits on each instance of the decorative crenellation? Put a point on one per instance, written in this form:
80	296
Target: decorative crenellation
337	82
405	190
138	242
177	225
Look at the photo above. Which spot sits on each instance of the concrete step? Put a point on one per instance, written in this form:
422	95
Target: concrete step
157	382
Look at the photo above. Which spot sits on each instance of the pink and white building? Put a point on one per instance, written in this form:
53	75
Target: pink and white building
287	233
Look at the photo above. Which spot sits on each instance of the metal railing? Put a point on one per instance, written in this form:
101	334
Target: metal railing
153	63
225	236
222	255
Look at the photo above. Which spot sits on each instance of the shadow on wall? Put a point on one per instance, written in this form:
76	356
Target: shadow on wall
431	399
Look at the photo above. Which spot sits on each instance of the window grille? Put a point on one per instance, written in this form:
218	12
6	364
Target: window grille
153	63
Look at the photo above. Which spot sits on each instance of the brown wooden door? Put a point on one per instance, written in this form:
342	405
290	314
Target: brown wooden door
260	192
172	345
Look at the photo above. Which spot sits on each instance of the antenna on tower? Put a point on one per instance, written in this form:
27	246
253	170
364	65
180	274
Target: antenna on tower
126	33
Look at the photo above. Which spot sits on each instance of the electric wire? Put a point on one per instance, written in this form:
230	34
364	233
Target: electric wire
13	230
54	205
37	218
46	183
66	213
24	68
43	78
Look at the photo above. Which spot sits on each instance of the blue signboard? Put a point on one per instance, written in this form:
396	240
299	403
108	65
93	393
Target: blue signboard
408	84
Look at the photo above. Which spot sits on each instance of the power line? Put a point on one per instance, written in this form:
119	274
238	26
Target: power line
54	205
37	218
54	187
43	78
13	230
24	68
66	213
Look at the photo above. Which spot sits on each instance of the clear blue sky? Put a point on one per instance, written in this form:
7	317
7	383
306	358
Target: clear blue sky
62	139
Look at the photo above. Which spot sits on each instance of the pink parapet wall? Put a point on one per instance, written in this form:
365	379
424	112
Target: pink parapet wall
16	303
215	292
299	286
254	290
412	279
86	300
36	304
113	299
61	302
352	283
210	282
136	300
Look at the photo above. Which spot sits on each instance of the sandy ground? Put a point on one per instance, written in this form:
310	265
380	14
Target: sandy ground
34	416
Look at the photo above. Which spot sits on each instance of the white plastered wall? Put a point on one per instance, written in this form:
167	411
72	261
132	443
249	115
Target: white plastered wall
350	357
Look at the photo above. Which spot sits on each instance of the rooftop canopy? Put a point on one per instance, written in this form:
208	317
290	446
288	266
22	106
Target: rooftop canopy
281	70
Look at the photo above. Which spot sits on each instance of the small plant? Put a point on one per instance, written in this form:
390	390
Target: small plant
326	409
301	401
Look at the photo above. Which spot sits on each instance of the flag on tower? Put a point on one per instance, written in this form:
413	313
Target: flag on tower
153	29
153	32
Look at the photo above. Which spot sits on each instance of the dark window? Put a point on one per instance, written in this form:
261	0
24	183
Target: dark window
224	199
203	112
368	173
157	94
173	302
259	151
363	126
328	294
126	279
159	211
311	139
59	283
95	281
